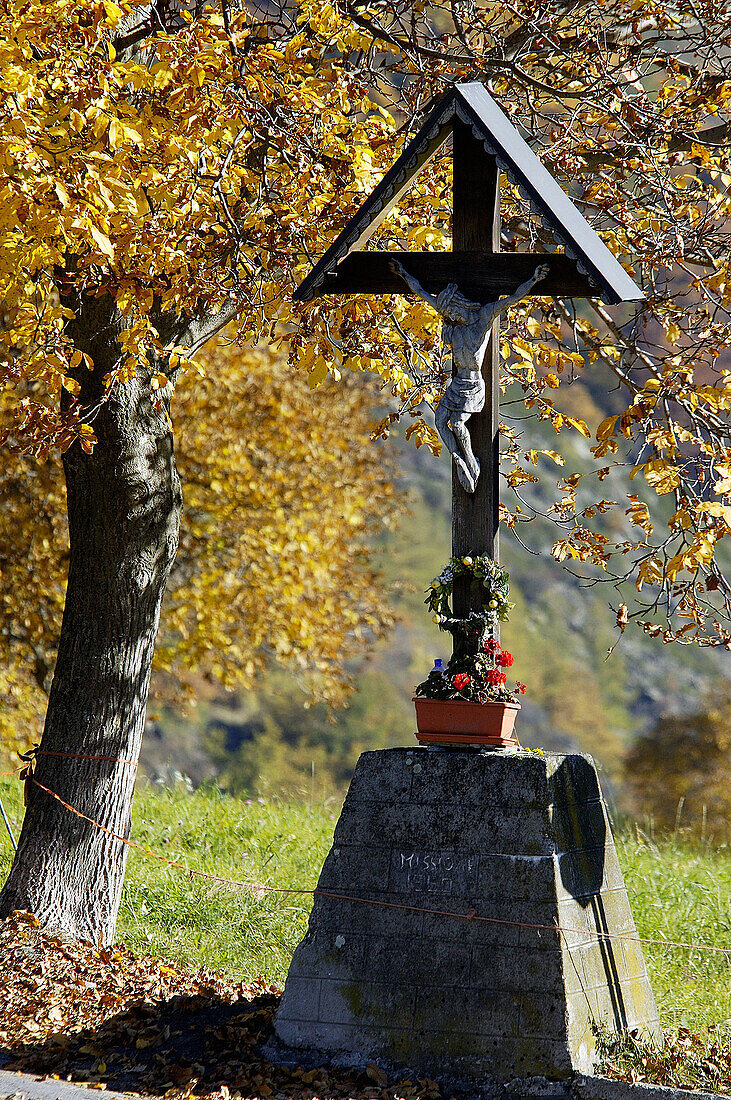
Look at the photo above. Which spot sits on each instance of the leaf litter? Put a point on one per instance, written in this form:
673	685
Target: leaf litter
683	1060
103	1017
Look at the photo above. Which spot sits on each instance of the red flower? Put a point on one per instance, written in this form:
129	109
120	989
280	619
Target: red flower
520	687
491	645
460	681
495	677
504	659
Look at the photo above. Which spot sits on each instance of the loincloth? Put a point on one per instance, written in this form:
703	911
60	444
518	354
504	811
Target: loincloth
464	394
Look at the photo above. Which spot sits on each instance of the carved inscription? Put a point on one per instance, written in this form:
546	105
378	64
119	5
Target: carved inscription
443	873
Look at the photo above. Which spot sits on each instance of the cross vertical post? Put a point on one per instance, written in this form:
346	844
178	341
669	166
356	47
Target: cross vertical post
476	226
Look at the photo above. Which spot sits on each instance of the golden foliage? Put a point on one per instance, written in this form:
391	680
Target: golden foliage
282	506
199	166
171	182
679	774
33	564
284	500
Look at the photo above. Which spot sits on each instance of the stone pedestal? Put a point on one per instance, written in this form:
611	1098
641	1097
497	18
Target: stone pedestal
520	845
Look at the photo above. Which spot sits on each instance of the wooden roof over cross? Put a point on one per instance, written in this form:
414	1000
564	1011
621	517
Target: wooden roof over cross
586	269
485	144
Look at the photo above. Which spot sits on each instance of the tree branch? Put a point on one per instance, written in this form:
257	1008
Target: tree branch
201	330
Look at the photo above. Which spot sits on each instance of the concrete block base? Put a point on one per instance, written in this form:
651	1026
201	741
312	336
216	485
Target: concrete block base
481	923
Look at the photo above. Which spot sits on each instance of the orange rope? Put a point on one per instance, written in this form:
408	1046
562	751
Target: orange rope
260	888
85	756
253	886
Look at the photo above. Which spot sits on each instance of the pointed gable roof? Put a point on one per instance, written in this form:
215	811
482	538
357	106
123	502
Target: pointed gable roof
473	105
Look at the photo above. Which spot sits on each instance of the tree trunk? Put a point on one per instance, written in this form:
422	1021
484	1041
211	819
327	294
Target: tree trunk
124	513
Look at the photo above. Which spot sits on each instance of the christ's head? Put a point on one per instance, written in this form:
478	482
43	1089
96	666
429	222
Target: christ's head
454	307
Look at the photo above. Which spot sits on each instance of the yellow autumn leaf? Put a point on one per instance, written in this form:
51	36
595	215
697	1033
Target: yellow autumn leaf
103	241
563	549
680	520
716	398
661	475
518	476
723	485
162	75
606	427
113	12
691	558
317	374
579	425
62	193
115	133
649	572
717	510
132	133
639	514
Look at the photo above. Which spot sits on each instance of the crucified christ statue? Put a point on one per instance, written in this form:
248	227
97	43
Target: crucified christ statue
466	331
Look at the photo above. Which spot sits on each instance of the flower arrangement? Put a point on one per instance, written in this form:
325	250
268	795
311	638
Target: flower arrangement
488	579
476	671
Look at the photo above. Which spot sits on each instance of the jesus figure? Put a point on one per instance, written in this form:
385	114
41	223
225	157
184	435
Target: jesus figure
466	331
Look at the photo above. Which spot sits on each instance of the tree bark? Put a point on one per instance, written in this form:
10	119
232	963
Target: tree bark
124	504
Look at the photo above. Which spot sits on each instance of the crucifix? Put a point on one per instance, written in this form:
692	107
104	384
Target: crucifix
467	329
466	285
476	229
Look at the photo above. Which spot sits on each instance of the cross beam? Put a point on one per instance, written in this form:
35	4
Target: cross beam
479	274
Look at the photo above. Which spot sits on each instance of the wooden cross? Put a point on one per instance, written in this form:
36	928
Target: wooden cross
476	226
483	139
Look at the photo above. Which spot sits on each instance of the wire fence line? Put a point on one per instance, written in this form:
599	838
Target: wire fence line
260	889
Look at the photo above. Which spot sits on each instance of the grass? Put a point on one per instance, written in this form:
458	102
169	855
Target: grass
679	889
215	925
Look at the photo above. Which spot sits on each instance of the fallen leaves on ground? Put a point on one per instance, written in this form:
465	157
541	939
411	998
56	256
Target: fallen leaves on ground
683	1060
55	986
106	1018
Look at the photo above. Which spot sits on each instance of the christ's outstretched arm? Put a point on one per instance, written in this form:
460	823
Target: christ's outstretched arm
414	286
491	310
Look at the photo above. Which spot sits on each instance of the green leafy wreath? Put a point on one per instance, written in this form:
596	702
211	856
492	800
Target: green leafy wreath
488	580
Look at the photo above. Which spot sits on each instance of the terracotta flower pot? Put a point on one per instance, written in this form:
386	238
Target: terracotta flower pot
459	722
